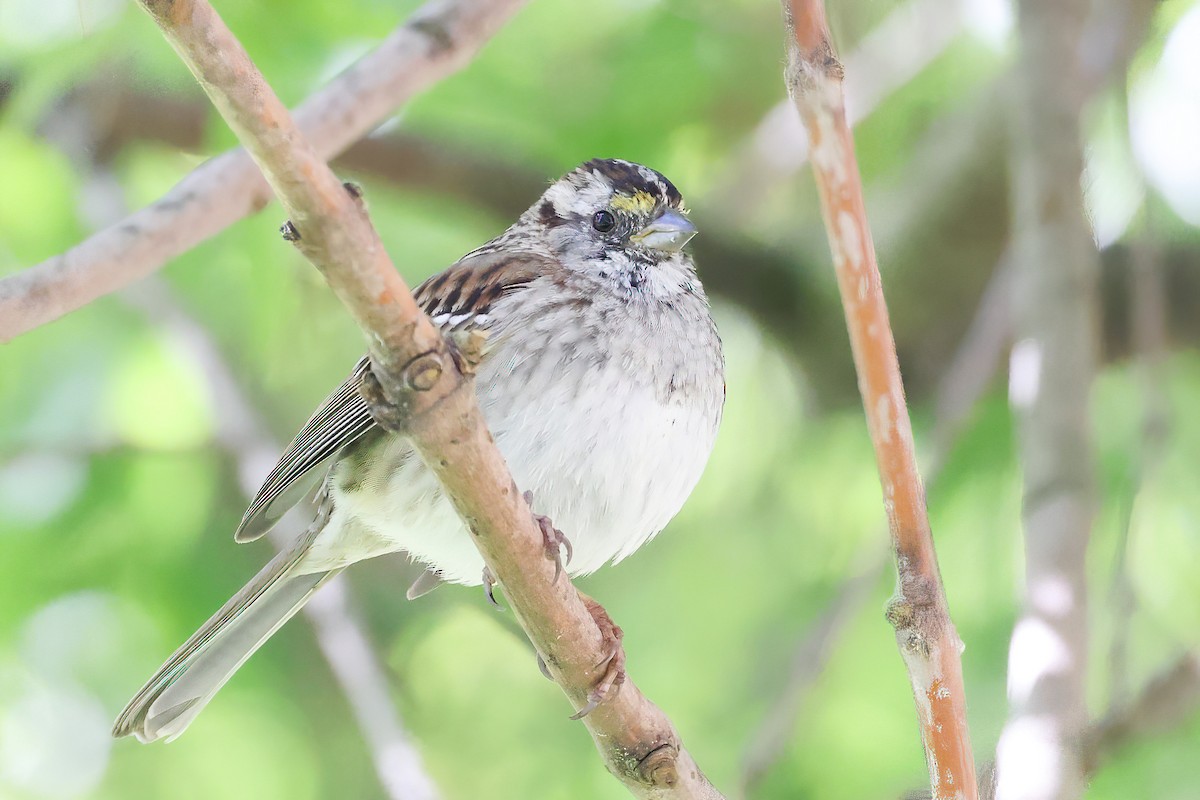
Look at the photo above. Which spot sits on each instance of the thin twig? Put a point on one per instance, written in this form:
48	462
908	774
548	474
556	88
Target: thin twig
438	40
924	632
339	632
769	742
433	403
1168	700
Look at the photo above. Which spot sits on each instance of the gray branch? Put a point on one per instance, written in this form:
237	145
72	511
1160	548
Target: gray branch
1051	369
438	40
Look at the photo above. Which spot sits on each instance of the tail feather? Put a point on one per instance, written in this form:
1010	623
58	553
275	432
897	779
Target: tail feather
181	688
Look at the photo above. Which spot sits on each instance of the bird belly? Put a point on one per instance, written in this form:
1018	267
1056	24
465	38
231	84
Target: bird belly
610	465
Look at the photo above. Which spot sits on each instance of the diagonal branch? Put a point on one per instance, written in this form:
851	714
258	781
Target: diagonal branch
433	402
768	744
240	431
1169	699
438	40
925	634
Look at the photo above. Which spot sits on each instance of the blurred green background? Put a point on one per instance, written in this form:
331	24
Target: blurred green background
121	454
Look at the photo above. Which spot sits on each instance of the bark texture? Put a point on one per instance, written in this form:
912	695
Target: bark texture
925	634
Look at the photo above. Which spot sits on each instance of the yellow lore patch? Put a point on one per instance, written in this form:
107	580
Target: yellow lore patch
637	202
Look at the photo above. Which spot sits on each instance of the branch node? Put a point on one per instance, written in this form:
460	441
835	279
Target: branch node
811	58
436	31
356	193
660	766
905	618
422	373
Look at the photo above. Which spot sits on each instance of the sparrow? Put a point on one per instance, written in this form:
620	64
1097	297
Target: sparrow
601	380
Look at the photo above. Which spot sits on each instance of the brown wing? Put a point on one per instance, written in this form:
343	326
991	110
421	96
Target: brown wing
457	299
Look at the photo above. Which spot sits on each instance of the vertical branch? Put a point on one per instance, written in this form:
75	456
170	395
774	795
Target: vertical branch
1051	373
925	634
961	386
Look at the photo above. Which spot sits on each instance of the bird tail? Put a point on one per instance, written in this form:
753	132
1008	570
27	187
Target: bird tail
181	688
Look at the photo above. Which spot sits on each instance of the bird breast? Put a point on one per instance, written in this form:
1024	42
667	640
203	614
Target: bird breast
607	415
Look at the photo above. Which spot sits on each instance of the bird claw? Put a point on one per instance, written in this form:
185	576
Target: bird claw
489	584
613	663
543	668
383	412
555	541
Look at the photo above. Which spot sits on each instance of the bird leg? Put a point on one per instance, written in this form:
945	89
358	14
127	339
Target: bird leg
614	659
553	539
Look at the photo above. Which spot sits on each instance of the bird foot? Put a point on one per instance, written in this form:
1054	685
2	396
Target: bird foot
554	540
614	660
385	414
489	584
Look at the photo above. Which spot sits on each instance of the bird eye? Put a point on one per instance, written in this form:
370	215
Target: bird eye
603	221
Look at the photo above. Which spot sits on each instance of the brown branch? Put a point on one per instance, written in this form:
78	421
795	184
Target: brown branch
882	63
433	403
440	38
925	634
241	432
964	382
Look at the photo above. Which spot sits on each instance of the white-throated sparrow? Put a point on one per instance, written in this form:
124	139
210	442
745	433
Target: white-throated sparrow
602	381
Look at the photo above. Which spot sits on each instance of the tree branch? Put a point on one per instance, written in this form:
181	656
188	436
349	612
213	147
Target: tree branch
1051	373
769	742
1167	700
439	39
339	633
884	61
925	634
434	404
963	383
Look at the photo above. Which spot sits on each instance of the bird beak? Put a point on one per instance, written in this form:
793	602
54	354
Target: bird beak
669	232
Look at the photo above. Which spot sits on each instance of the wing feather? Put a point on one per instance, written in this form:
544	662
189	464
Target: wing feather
457	299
